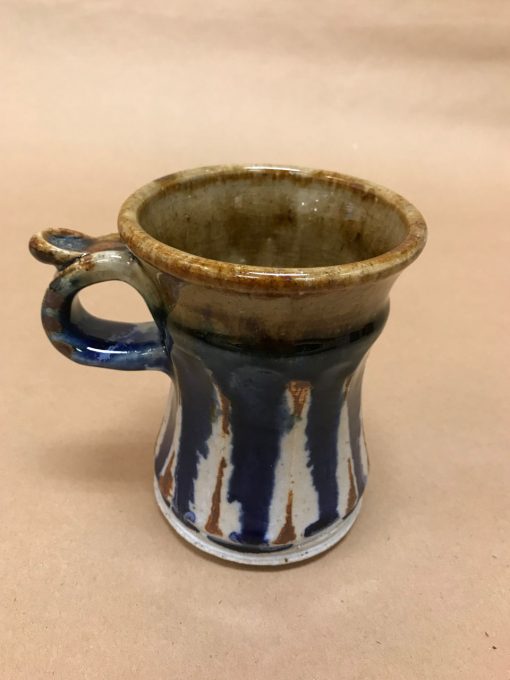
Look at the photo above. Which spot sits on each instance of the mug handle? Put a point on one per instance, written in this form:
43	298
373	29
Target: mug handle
82	261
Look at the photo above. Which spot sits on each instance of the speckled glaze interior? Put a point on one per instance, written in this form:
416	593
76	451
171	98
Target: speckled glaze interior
273	220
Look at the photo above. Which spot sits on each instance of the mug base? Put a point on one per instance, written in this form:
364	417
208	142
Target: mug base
294	553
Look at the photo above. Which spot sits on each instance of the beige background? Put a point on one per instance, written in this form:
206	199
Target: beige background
101	96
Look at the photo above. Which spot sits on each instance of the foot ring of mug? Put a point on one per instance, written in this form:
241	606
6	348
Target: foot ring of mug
297	553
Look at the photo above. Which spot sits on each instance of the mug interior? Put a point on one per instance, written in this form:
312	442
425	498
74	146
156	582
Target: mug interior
272	218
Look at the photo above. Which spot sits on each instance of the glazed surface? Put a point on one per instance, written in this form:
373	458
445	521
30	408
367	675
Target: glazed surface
272	219
260	451
267	286
356	219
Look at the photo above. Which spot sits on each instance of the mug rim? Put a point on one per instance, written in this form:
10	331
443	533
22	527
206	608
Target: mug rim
268	280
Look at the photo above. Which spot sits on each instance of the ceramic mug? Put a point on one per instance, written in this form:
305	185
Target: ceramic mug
267	286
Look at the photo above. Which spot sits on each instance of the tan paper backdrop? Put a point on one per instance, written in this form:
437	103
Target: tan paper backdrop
100	96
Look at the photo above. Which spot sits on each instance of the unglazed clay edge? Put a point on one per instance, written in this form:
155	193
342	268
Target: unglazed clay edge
315	546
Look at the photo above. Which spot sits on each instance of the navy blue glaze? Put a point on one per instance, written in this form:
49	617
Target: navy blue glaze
73	242
258	403
322	442
255	382
198	407
90	340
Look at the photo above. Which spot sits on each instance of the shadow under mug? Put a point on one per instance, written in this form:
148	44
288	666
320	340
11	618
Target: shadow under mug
267	286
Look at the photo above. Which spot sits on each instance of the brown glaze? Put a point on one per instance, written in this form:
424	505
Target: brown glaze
85	264
271	280
225	414
166	481
62	347
283	319
286	305
61	247
353	497
109	242
45	251
287	533
52	324
299	390
53	299
212	525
